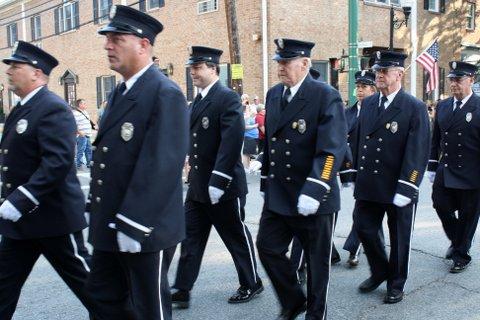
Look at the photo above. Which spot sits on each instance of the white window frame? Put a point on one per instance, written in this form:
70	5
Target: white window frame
207	6
103	11
11	40
435	8
37	28
103	90
64	21
152	8
382	3
471	16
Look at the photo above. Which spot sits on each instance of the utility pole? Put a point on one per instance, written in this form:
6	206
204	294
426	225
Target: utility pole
233	41
352	48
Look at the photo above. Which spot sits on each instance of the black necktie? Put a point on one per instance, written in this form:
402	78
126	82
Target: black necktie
382	105
122	88
196	102
285	97
458	103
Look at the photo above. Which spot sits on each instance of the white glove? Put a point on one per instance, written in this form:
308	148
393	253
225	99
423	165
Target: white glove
9	212
307	205
254	166
262	194
127	244
215	194
401	201
431	176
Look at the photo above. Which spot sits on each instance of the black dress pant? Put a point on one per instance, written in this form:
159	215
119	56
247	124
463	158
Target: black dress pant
228	219
315	233
17	258
353	244
459	230
368	222
131	286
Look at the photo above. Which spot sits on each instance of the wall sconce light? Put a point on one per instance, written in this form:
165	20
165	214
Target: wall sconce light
256	37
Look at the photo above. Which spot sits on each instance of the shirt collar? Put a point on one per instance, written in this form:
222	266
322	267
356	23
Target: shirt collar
464	100
30	95
294	89
390	97
130	82
205	91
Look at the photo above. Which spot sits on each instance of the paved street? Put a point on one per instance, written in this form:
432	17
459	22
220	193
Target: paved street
431	292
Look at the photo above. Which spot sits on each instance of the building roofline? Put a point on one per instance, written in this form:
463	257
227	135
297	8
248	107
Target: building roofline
6	3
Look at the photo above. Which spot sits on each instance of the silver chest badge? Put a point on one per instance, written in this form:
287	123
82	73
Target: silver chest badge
468	117
127	131
302	126
205	123
394	127
22	126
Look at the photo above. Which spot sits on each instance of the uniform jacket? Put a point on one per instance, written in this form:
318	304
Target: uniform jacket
392	149
304	148
455	152
38	172
139	153
217	129
347	172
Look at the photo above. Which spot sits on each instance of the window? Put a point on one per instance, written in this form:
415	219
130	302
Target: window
434	5
471	16
322	67
101	9
36	27
386	2
207	6
145	5
12	34
105	86
67	17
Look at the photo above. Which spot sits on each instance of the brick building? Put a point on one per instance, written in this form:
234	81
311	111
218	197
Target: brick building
67	29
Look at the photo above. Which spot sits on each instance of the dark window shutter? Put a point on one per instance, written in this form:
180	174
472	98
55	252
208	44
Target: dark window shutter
442	6
161	3
15	34
9	37
99	92
39	33
141	5
57	23
76	15
425	4
189	84
442	81
32	28
95	11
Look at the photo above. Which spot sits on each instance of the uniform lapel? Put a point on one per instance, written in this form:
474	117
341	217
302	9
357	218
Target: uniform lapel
204	103
392	110
445	114
123	104
461	115
273	110
351	116
296	105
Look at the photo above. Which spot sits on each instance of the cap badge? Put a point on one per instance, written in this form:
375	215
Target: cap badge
34	62
113	12
281	45
205	123
454	65
127	131
363	73
140	31
379	55
22	126
394	127
468	117
302	126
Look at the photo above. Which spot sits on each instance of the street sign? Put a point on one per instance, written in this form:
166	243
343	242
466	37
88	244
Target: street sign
237	71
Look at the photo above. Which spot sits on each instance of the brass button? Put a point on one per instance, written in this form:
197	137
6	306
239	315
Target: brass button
98	199
5	169
8	185
272	151
459	133
94	148
91	163
361	168
287	141
105	149
380	139
102	166
446	143
2	199
377	161
446	133
459	145
446	154
194	134
446	165
365	146
375	171
196	167
99	182
194	145
289	179
367	137
459	166
272	176
272	164
363	157
378	149
288	165
274	139
5	151
459	155
195	156
287	153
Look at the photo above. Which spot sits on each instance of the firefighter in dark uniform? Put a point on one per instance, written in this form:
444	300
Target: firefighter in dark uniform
455	158
218	186
304	147
391	157
42	205
364	87
136	188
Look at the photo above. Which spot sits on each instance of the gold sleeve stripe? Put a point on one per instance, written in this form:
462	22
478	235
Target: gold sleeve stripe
327	168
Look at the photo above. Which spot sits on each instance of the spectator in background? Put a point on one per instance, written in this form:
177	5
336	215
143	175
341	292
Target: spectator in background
251	136
246	102
84	132
260	121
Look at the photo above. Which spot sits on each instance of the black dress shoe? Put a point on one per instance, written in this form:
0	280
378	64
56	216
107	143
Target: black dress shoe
449	253
181	299
292	314
370	284
353	260
393	296
335	259
244	294
458	267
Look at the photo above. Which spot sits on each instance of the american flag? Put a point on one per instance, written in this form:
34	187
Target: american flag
429	60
